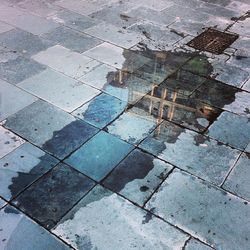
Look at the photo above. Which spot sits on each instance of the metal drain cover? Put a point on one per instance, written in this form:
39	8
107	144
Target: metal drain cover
213	41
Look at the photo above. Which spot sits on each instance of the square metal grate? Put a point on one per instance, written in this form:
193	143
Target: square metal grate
213	41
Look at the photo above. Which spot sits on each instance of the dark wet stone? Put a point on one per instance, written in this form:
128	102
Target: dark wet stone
53	195
21	167
23	42
71	39
137	176
101	110
20	232
99	155
15	70
50	128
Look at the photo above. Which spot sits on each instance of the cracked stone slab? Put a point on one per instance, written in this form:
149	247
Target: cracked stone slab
231	129
118	36
72	39
117	57
196	245
53	195
137	176
58	89
101	110
50	128
238	180
21	167
17	230
102	218
190	151
15	68
73	20
97	157
131	127
26	21
8	141
23	41
204	211
13	99
66	61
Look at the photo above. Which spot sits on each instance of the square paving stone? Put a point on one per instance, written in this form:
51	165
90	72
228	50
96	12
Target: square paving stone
137	176
8	141
101	219
131	127
117	57
21	167
66	61
122	85
58	89
50	128
2	203
165	104
13	99
231	129
191	151
215	93
73	20
97	157
23	41
20	232
71	39
15	68
101	110
196	245
203	210
48	199
238	180
110	33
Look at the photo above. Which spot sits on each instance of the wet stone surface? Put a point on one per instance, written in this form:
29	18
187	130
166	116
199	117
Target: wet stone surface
203	210
190	151
18	231
137	176
61	184
21	167
101	219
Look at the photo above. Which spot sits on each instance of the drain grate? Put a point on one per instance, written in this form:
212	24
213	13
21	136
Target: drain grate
213	41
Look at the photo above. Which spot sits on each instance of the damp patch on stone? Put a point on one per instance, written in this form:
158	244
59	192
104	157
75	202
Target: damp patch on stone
213	41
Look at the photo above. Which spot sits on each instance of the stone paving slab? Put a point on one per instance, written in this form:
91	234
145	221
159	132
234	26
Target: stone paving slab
203	210
20	232
61	183
2	203
196	245
101	219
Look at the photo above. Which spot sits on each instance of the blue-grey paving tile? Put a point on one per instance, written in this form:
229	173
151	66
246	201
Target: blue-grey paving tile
131	127
15	68
137	176
73	20
48	199
21	167
103	220
58	89
23	41
238	180
4	27
101	110
196	245
204	211
50	128
20	232
13	99
2	203
8	141
71	39
99	155
191	151
231	129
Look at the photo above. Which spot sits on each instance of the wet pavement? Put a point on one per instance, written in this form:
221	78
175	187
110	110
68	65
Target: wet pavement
115	133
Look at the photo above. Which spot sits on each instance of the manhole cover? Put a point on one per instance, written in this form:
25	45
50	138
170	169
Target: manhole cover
213	41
